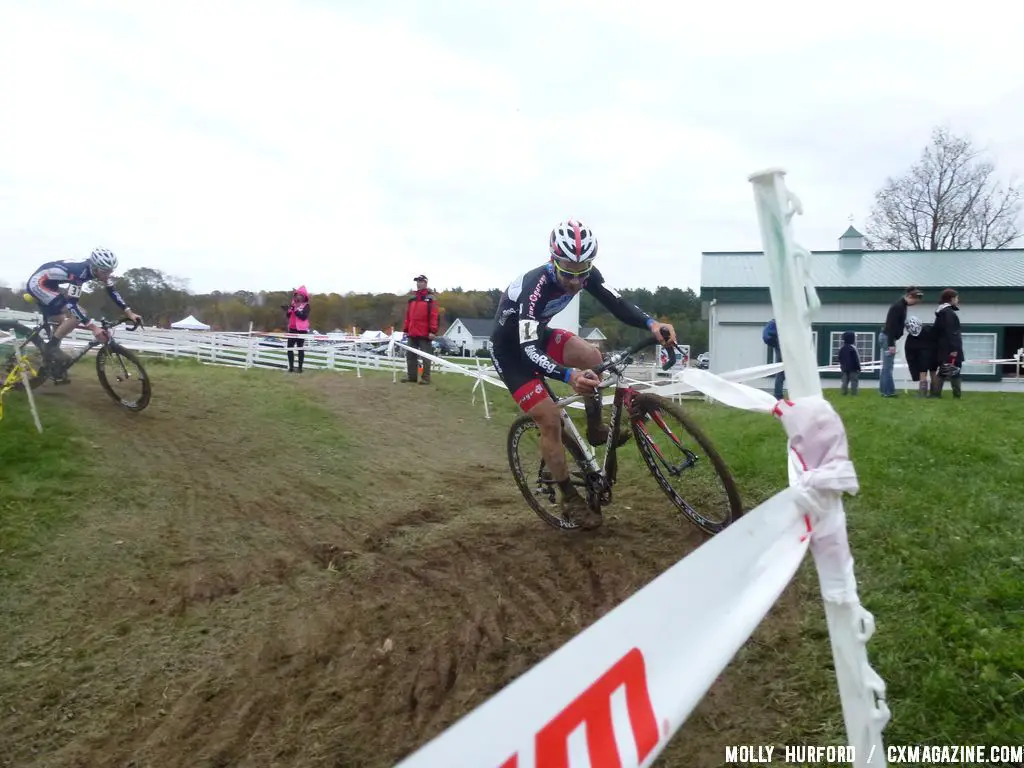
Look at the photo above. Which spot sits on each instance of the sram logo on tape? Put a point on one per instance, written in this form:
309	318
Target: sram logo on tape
593	708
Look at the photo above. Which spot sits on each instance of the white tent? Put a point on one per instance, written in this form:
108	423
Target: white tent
191	324
373	336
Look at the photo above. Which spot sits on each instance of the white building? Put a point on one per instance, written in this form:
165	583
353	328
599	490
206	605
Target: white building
470	333
856	288
592	334
474	333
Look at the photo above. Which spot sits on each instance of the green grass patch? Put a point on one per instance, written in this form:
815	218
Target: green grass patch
938	536
937	533
40	474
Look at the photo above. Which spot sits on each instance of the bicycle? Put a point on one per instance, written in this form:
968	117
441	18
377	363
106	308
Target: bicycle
595	480
110	355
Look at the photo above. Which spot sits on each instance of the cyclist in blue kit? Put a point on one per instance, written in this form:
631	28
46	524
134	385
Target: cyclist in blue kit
45	287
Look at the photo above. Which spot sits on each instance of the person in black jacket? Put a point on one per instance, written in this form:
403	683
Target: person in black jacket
948	342
921	355
895	320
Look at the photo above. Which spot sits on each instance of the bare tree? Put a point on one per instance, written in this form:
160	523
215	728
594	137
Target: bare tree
947	200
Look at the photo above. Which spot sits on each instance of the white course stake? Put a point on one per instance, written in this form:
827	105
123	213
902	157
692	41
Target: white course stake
794	300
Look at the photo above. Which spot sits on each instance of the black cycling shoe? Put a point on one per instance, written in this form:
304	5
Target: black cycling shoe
576	510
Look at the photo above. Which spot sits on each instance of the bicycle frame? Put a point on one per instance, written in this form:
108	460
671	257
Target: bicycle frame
48	325
622	393
621	401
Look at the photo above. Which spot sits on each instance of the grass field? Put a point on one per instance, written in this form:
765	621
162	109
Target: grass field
212	582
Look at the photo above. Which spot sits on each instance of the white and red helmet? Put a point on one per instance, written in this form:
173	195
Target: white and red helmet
572	242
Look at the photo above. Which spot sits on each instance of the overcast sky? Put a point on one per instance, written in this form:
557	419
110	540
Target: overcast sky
352	145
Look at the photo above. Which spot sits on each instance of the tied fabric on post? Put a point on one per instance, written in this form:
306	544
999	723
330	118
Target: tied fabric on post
818	438
820	468
822	471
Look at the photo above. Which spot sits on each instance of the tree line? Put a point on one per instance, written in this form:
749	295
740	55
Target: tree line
163	299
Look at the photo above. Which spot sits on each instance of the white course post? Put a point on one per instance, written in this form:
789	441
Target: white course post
794	300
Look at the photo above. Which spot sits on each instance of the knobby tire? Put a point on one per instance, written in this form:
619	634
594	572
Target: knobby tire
647	403
114	348
576	464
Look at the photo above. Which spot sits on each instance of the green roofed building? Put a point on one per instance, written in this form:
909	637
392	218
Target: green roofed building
856	287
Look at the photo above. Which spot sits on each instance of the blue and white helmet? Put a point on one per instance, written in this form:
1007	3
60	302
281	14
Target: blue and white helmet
913	326
101	258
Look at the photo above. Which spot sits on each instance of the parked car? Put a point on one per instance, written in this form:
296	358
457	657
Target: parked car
704	360
445	346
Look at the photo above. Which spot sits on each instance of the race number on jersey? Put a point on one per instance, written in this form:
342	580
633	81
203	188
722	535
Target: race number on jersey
528	331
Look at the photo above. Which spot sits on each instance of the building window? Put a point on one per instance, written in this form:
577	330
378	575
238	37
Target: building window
863	341
979	346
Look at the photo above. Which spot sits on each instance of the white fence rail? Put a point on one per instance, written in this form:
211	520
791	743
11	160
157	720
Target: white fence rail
354	353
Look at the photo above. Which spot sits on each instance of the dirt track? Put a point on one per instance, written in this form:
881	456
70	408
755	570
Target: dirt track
229	602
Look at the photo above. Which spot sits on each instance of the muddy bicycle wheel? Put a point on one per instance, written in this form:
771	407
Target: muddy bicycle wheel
116	365
9	355
706	492
535	482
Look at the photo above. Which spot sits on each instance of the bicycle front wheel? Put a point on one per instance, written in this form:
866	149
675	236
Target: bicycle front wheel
120	367
700	486
532	476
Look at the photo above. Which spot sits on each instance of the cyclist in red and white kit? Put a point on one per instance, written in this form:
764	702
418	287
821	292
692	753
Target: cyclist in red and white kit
525	351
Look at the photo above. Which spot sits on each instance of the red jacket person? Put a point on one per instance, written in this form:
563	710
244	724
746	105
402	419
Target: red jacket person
421	323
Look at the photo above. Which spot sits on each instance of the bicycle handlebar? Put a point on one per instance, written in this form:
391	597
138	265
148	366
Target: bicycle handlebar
622	357
106	324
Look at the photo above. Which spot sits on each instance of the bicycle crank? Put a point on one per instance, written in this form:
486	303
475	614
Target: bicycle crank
599	493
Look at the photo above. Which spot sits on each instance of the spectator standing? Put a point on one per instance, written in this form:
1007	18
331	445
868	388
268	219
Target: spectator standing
420	327
895	321
298	322
949	342
921	355
849	364
770	336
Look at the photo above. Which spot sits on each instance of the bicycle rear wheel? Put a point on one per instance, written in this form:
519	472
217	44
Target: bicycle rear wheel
9	354
534	481
670	453
114	365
